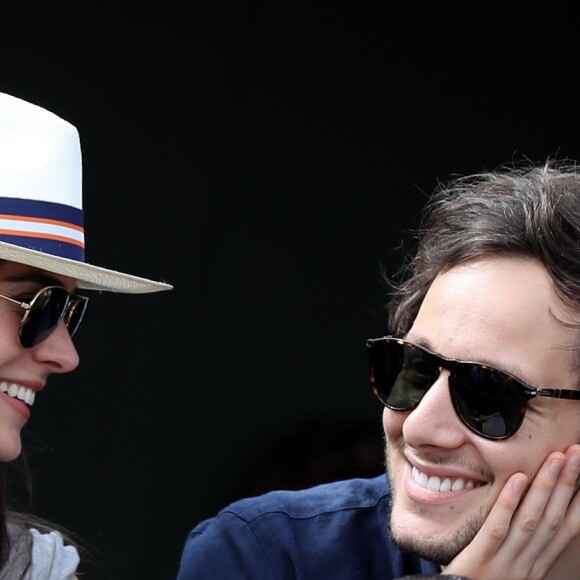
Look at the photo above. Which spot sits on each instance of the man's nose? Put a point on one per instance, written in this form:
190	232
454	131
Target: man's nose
434	421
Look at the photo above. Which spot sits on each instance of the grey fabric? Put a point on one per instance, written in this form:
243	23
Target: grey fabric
20	552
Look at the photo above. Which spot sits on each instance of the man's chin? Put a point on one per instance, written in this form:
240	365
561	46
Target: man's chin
440	550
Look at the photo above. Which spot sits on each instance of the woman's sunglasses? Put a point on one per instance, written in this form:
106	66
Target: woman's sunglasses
490	402
47	309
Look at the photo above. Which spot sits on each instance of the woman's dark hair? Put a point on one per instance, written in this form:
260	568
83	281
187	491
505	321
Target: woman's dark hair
16	520
525	210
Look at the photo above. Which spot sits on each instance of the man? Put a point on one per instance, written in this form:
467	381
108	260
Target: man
42	272
480	383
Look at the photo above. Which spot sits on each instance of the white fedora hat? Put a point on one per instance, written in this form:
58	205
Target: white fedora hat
41	212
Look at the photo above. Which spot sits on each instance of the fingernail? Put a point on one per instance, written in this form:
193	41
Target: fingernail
519	485
555	466
575	461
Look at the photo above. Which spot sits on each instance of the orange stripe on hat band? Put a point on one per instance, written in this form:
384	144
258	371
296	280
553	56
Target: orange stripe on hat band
41	221
42	237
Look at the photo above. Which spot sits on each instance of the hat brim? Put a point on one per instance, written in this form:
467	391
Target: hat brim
88	277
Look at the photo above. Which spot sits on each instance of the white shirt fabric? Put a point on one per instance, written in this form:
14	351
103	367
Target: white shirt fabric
51	559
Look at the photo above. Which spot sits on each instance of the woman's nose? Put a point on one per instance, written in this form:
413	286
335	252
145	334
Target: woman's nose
58	350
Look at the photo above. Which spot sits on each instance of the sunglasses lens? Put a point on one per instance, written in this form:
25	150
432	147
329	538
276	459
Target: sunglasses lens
401	373
76	314
487	401
47	311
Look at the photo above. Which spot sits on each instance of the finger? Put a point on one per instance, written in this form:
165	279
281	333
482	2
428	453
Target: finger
543	489
478	555
561	520
512	523
496	527
563	493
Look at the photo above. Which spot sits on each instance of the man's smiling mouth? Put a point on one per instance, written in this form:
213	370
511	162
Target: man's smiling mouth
435	483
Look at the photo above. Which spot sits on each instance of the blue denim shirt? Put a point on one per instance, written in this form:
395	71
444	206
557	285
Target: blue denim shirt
335	530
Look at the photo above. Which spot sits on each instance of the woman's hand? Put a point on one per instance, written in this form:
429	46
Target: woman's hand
523	539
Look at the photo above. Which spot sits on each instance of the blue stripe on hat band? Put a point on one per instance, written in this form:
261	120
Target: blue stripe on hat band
43	226
52	247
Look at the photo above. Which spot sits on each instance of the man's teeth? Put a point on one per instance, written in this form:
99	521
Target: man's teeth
435	483
18	391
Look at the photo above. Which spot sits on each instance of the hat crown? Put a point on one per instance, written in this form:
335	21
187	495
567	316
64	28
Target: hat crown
40	154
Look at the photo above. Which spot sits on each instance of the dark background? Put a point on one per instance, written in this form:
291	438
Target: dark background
268	159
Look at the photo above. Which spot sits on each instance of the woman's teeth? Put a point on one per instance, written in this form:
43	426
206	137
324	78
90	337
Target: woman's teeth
435	483
18	392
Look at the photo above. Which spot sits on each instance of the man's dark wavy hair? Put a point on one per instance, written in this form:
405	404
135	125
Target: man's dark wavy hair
521	210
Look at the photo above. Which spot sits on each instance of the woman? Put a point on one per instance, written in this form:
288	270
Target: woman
42	275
